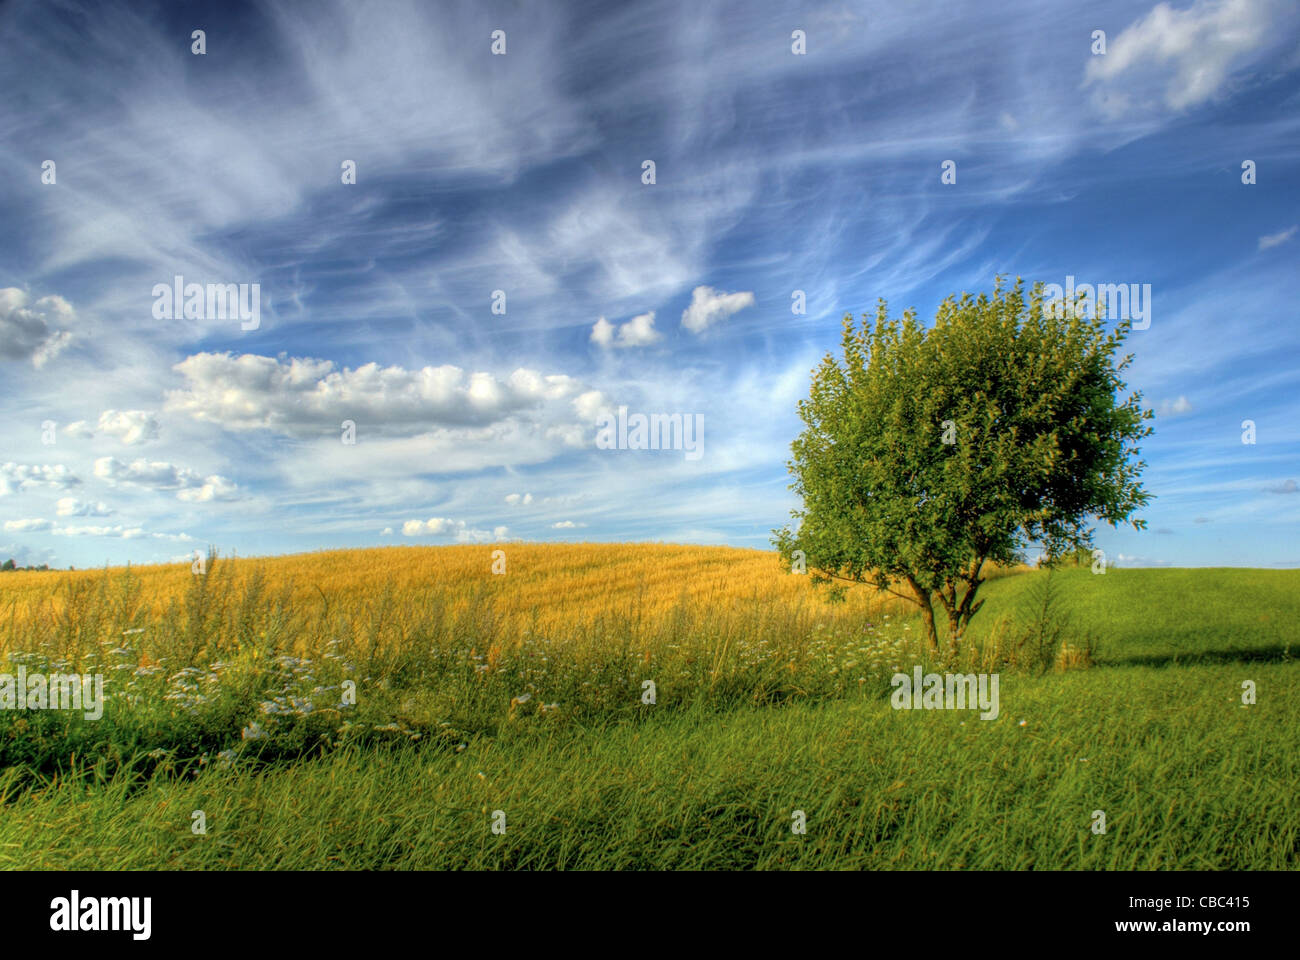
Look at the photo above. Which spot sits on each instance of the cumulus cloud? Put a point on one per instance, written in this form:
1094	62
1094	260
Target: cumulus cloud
308	397
638	332
708	306
33	333
1172	408
515	499
1276	239
27	526
459	529
566	525
590	405
189	484
22	476
1179	58
213	488
1286	486
72	507
158	474
131	427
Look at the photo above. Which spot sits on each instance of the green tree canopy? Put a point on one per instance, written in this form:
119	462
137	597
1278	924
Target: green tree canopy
930	452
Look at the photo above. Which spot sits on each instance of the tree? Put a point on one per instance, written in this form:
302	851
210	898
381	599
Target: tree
931	452
8	564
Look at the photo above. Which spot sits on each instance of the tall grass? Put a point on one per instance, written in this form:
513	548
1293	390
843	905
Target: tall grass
371	709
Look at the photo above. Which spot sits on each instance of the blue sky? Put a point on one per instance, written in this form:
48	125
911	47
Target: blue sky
523	173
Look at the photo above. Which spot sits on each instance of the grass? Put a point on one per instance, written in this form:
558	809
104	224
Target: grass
474	695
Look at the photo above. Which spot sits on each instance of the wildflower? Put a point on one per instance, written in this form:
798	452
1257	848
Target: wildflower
1023	722
253	731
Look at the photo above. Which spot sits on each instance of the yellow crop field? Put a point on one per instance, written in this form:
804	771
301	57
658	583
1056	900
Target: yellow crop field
483	628
442	641
552	588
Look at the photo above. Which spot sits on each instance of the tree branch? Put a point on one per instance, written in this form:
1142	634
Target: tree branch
871	583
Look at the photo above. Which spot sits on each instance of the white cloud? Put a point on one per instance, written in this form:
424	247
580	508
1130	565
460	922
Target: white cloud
515	499
126	533
120	531
602	332
637	332
129	426
213	488
27	526
30	333
190	485
463	533
1276	239
1172	408
566	525
72	507
708	306
1182	58
590	405
21	476
156	474
306	397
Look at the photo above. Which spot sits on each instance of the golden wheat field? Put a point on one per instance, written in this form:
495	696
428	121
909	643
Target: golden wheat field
436	640
656	602
546	587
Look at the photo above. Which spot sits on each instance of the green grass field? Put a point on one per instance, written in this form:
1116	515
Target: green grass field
1154	734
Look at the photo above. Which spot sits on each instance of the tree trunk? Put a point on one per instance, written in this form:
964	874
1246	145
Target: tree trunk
927	613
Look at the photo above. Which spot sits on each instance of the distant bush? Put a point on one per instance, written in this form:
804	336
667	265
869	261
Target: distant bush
10	565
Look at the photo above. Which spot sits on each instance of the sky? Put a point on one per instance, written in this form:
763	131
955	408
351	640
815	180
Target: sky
506	269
